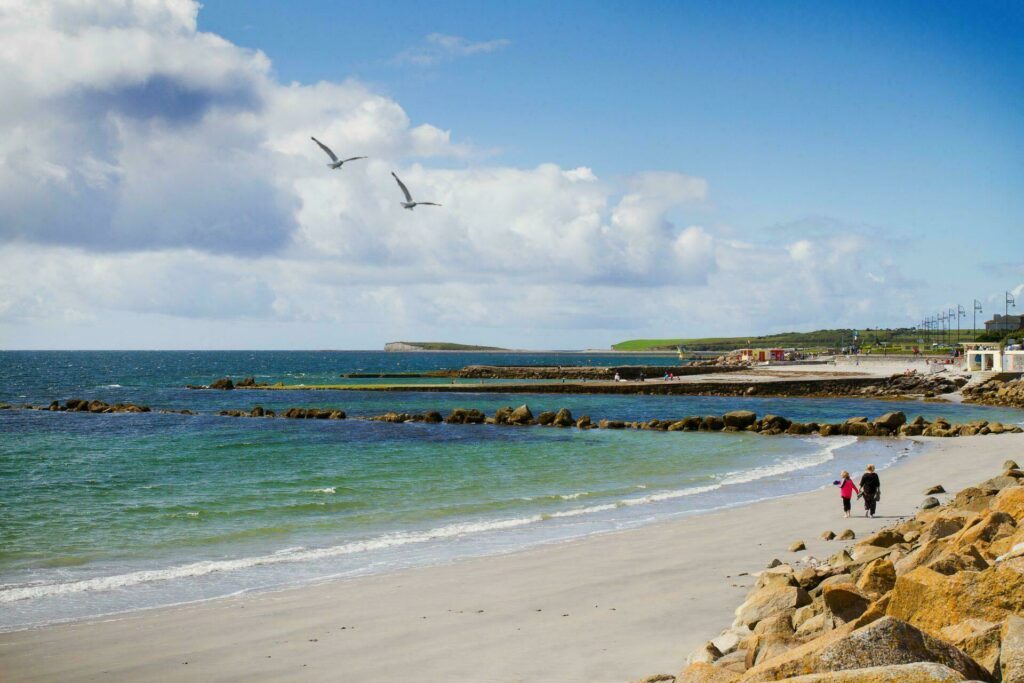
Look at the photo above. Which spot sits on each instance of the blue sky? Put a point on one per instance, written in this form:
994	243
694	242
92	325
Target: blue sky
664	168
907	116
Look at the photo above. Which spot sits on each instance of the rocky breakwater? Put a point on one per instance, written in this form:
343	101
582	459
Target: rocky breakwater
574	372
938	597
997	392
887	425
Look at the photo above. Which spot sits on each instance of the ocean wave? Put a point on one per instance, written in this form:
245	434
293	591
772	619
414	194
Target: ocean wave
326	489
820	457
194	569
574	496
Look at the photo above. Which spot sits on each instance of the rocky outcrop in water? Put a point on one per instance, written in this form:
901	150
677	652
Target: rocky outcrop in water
939	597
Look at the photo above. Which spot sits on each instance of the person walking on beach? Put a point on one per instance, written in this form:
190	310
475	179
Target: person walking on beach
846	490
871	490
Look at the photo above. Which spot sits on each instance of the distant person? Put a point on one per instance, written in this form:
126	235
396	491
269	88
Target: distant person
617	378
871	490
846	490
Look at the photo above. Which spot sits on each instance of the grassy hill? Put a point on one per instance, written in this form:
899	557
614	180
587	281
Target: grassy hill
894	340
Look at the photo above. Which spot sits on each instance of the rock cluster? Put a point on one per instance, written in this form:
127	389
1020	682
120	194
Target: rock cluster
938	597
227	384
79	405
997	392
289	414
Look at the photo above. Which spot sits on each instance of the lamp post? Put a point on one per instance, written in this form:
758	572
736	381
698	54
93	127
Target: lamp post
960	313
1007	302
977	310
952	315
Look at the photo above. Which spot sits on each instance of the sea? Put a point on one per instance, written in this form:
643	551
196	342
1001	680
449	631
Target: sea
105	514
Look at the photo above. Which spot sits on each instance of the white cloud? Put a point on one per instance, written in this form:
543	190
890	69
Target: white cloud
149	169
438	48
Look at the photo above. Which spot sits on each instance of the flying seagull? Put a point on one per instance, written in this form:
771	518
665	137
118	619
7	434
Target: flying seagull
409	203
335	162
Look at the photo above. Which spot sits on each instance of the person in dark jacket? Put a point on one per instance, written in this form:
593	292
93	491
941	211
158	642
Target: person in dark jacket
871	490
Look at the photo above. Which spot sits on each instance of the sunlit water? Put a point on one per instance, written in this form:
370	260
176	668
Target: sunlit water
106	513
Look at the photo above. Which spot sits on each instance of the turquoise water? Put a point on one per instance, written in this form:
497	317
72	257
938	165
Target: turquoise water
106	513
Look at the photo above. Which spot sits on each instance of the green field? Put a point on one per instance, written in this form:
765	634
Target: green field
871	341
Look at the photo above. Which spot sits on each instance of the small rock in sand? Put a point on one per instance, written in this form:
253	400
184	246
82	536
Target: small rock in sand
847	535
929	503
931	491
774	563
828	535
797	547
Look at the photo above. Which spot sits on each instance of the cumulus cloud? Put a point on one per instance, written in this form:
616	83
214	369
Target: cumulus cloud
148	168
438	48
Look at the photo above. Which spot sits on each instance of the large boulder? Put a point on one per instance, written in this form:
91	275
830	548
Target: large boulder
891	421
739	419
918	672
991	527
932	601
563	418
978	639
844	601
465	416
1011	655
883	643
702	672
768	601
712	423
1010	501
224	383
545	418
521	416
878	577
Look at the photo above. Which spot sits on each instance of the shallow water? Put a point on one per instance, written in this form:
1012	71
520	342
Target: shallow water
105	513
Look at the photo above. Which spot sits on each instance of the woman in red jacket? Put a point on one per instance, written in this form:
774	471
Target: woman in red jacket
846	490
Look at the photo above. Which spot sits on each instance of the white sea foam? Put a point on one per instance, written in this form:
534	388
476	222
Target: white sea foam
100	583
791	464
573	496
326	489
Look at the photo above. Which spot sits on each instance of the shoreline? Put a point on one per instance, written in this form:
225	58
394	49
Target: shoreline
635	601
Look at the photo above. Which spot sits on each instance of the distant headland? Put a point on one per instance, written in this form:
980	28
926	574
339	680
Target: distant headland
404	346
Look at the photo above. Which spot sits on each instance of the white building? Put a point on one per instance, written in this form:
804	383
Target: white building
988	357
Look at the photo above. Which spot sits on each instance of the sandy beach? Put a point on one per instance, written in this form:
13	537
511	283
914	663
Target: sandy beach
613	607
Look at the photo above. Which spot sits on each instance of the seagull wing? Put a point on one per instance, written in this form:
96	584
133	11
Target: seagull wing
353	159
325	148
429	203
405	190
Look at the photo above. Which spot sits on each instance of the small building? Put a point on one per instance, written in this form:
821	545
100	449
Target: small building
1004	323
988	357
761	355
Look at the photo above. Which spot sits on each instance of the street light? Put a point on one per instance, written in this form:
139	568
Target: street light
960	313
1007	302
977	310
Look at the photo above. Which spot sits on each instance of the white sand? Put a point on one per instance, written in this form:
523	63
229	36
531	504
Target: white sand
608	608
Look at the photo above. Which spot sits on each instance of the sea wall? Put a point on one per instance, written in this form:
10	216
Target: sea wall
556	372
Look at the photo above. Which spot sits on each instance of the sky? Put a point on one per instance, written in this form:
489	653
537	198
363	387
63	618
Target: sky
607	170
